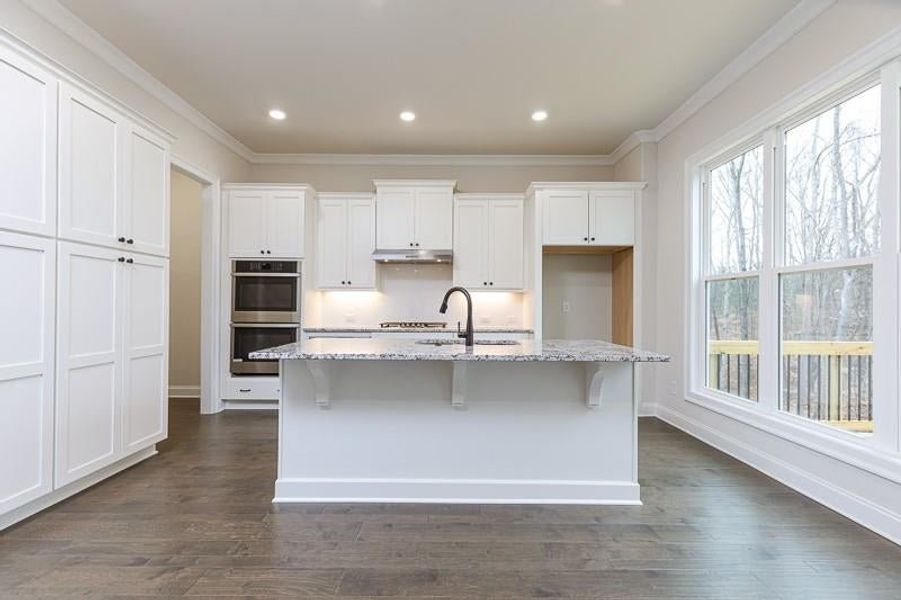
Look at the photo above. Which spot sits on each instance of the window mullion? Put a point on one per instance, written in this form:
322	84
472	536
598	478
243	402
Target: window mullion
886	312
768	361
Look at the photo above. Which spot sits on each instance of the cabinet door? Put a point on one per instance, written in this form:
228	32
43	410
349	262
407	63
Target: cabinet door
395	208
146	176
611	218
284	224
434	219
27	146
505	241
332	254
90	198
471	243
360	243
565	218
245	224
26	368
145	385
88	360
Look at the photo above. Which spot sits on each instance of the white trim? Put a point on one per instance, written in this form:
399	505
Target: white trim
537	186
632	142
184	391
250	404
210	288
303	187
437	160
451	183
62	18
782	31
845	502
456	491
58	495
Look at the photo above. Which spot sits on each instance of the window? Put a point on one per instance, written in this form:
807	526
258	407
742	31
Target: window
831	217
788	276
734	217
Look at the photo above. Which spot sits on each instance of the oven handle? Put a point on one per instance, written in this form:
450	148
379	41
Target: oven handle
266	325
289	275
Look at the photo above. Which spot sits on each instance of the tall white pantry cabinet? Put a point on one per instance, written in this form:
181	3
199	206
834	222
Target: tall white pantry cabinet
84	261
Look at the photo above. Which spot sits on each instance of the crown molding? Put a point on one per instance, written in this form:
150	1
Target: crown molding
632	142
784	29
436	160
63	19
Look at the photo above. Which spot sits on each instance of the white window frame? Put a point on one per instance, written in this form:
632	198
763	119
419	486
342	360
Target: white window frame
880	452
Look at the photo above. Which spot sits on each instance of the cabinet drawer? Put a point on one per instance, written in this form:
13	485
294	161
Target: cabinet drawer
251	388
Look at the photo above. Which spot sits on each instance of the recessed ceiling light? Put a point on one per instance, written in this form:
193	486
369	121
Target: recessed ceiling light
278	115
408	115
539	115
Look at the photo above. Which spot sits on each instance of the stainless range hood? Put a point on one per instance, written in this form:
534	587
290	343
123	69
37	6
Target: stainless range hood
413	256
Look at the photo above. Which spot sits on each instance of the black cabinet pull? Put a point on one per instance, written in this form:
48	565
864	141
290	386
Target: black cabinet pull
129	241
417	244
349	282
343	283
592	239
490	283
122	240
586	239
411	244
244	390
268	251
484	283
121	259
262	252
130	261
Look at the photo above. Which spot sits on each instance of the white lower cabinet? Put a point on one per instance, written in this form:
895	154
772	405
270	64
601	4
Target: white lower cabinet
28	264
488	242
111	359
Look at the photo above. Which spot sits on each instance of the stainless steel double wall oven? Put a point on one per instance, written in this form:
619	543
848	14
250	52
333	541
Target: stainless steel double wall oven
265	311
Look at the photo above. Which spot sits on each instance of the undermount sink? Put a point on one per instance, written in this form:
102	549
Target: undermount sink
452	342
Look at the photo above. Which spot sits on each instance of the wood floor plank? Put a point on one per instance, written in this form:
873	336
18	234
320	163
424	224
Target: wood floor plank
197	521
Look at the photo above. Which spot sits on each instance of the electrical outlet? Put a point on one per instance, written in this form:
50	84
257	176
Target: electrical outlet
566	306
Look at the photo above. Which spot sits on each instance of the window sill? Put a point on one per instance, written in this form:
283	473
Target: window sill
852	449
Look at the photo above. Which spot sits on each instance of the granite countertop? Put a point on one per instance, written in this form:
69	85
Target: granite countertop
412	330
409	350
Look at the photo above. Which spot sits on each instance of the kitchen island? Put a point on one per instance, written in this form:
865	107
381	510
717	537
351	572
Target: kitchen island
389	420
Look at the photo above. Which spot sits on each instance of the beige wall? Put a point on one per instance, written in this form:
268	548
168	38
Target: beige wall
469	179
191	144
184	281
835	35
585	282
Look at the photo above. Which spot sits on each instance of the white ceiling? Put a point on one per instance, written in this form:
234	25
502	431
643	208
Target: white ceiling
472	70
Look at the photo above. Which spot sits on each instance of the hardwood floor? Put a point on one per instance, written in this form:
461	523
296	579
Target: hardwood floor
197	521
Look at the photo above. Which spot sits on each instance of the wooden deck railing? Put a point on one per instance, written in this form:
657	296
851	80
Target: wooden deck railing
830	382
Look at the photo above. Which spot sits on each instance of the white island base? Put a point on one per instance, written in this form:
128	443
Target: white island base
457	432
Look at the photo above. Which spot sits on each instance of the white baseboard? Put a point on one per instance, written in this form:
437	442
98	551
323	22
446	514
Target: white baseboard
184	391
456	491
250	404
843	501
56	496
647	409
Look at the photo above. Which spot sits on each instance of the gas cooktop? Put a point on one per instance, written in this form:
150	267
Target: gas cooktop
413	325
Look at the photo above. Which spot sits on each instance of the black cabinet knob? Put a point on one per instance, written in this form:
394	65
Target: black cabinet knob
262	252
122	240
121	259
586	239
484	283
490	283
130	261
349	282
411	244
417	244
129	241
268	251
592	239
343	283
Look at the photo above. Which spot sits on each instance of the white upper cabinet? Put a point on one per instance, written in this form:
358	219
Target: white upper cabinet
90	150
611	218
266	222
488	242
414	215
284	223
395	218
27	320
434	228
146	206
28	104
566	218
346	236
246	235
602	215
113	177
